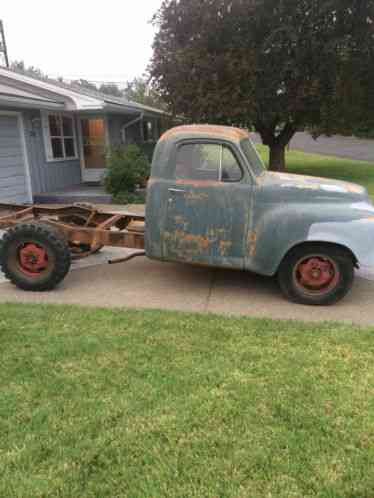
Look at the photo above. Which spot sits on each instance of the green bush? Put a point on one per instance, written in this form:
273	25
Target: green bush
127	167
148	149
129	198
364	132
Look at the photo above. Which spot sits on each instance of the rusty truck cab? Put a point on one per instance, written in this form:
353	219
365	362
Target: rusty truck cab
199	196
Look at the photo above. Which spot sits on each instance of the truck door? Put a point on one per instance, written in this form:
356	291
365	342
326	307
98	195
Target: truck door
208	206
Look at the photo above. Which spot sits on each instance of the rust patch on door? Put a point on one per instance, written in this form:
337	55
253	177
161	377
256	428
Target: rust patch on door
198	183
252	243
224	247
179	220
196	196
186	244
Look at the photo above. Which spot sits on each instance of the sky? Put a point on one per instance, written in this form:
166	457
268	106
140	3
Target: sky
106	40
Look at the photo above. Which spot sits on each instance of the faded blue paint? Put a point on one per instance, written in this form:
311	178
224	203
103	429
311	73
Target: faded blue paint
207	229
287	215
251	224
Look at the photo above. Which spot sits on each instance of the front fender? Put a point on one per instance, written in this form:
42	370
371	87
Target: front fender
355	235
277	230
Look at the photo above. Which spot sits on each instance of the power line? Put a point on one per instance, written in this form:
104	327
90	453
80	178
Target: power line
3	47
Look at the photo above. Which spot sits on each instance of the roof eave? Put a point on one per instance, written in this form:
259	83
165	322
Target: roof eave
80	101
29	103
133	109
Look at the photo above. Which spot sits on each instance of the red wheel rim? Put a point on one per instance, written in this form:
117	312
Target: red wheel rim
32	259
316	275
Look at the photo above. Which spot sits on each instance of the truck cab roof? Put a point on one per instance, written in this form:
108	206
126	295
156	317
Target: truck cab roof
205	132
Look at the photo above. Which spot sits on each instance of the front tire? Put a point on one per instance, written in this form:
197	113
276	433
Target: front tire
316	274
35	256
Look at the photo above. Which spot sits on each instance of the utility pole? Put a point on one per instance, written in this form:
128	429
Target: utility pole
3	49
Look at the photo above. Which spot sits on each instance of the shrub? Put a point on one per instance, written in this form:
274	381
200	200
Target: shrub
127	167
148	149
364	132
129	198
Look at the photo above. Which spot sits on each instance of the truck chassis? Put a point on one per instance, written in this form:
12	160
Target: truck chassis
32	231
81	224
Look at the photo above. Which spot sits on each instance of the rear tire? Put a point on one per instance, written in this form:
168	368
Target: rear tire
316	274
35	256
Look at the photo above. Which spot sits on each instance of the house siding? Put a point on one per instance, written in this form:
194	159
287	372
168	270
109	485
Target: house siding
49	176
134	133
46	176
31	97
115	124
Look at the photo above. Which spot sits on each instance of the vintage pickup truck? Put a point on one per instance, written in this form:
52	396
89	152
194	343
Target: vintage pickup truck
210	201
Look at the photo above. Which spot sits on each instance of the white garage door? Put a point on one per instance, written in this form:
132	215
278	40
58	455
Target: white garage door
13	180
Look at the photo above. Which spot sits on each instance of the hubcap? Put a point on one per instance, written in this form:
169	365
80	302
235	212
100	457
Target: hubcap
33	259
316	274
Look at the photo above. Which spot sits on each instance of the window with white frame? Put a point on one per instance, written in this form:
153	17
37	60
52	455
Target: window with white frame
60	137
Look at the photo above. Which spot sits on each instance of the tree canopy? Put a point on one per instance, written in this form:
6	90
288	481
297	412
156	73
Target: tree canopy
275	65
139	90
20	67
111	89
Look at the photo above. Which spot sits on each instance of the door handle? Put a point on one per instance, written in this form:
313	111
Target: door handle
176	190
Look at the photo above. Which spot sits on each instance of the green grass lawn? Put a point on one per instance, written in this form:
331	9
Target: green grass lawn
140	404
360	172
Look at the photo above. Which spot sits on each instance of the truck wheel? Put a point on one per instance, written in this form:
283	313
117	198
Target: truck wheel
316	274
34	256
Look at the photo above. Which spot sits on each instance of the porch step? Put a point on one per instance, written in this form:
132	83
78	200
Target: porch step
71	199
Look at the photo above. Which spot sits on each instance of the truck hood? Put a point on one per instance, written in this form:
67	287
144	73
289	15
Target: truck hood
299	188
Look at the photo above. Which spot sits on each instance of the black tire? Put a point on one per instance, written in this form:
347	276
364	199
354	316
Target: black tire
51	252
305	262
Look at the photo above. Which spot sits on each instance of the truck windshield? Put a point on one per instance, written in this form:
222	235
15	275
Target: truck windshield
252	156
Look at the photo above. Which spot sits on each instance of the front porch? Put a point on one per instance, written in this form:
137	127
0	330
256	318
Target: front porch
84	192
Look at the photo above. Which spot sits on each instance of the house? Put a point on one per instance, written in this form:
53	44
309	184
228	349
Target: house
54	135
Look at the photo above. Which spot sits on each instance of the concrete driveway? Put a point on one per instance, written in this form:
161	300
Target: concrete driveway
142	283
346	147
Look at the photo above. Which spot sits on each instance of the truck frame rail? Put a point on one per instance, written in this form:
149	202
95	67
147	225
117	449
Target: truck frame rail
86	228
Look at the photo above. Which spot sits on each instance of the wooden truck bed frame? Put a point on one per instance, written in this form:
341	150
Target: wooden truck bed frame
85	227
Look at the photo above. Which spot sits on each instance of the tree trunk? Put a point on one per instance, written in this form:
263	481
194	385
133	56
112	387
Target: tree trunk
277	157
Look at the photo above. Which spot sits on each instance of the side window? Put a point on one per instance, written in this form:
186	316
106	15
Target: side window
198	162
231	171
60	137
207	162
